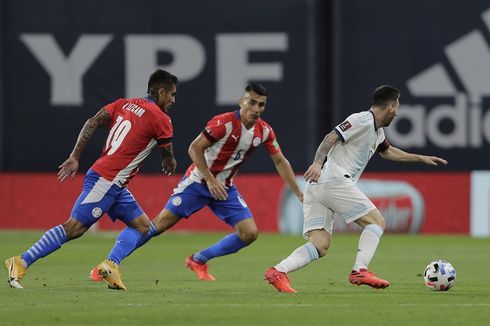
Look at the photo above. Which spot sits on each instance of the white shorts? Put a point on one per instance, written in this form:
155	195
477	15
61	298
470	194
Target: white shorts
322	200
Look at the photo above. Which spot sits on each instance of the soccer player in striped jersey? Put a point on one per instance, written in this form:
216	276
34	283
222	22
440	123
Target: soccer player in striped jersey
332	189
225	143
135	127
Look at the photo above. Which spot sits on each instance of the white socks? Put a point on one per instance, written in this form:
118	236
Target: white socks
368	242
301	257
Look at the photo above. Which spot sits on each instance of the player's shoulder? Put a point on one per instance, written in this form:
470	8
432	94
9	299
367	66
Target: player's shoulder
263	124
118	102
363	117
224	117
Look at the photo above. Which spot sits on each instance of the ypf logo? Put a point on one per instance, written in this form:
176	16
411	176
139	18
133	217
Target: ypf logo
469	58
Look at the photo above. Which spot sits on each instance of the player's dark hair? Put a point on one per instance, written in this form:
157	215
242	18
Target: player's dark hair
161	78
384	95
256	88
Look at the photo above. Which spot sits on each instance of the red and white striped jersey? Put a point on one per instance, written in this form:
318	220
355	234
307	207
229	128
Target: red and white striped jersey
232	143
137	125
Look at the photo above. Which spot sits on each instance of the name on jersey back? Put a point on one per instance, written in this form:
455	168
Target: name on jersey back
131	107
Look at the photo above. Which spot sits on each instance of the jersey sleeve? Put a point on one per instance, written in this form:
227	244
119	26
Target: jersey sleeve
215	129
349	128
164	130
384	144
270	143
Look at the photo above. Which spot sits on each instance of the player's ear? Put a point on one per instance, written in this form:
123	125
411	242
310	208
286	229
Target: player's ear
161	91
391	107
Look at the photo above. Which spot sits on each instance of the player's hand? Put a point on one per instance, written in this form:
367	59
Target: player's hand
313	172
433	160
169	165
217	189
68	169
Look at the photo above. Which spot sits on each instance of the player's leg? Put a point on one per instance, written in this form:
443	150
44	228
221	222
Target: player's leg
373	227
133	236
353	206
235	212
182	203
126	209
93	201
299	258
185	201
53	239
129	238
316	247
245	233
317	220
50	241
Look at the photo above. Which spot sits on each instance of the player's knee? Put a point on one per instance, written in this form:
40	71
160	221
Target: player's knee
322	249
74	229
165	220
321	240
248	236
379	221
143	229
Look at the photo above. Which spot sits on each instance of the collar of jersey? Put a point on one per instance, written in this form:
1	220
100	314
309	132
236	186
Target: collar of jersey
374	121
150	99
237	114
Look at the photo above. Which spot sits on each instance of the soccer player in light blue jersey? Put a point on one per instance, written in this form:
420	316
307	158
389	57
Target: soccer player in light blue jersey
332	189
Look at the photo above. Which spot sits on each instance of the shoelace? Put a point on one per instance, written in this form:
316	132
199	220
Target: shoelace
275	277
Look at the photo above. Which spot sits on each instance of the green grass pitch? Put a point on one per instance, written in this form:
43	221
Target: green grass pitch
161	291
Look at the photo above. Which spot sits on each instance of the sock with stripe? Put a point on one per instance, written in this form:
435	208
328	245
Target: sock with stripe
128	241
299	258
49	242
368	242
228	245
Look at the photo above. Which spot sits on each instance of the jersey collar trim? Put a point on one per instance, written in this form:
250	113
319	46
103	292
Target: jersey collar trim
149	99
374	121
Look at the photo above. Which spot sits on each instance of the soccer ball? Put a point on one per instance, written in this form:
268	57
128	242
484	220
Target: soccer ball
439	275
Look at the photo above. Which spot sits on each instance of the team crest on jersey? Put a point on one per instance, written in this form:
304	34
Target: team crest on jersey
176	201
97	212
257	141
345	125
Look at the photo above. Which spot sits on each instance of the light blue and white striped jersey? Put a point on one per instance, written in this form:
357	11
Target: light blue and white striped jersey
359	141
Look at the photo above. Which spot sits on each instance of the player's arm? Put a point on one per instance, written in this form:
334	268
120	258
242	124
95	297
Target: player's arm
286	172
169	164
196	152
313	172
395	154
69	167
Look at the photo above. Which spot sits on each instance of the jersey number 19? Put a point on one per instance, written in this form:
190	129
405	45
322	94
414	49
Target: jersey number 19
117	134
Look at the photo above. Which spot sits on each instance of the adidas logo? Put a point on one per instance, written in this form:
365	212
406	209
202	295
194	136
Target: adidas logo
461	121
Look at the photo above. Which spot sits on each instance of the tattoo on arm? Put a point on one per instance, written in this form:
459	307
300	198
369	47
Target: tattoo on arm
325	146
101	119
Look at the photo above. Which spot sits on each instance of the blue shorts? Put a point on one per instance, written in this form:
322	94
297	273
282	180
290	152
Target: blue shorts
101	196
190	196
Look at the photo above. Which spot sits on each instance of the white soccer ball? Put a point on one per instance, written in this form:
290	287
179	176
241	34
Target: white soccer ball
439	275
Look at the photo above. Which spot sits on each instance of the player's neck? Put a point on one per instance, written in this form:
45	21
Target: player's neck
378	116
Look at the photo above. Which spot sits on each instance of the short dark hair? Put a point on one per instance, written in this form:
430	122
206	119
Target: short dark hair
256	88
161	78
384	95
